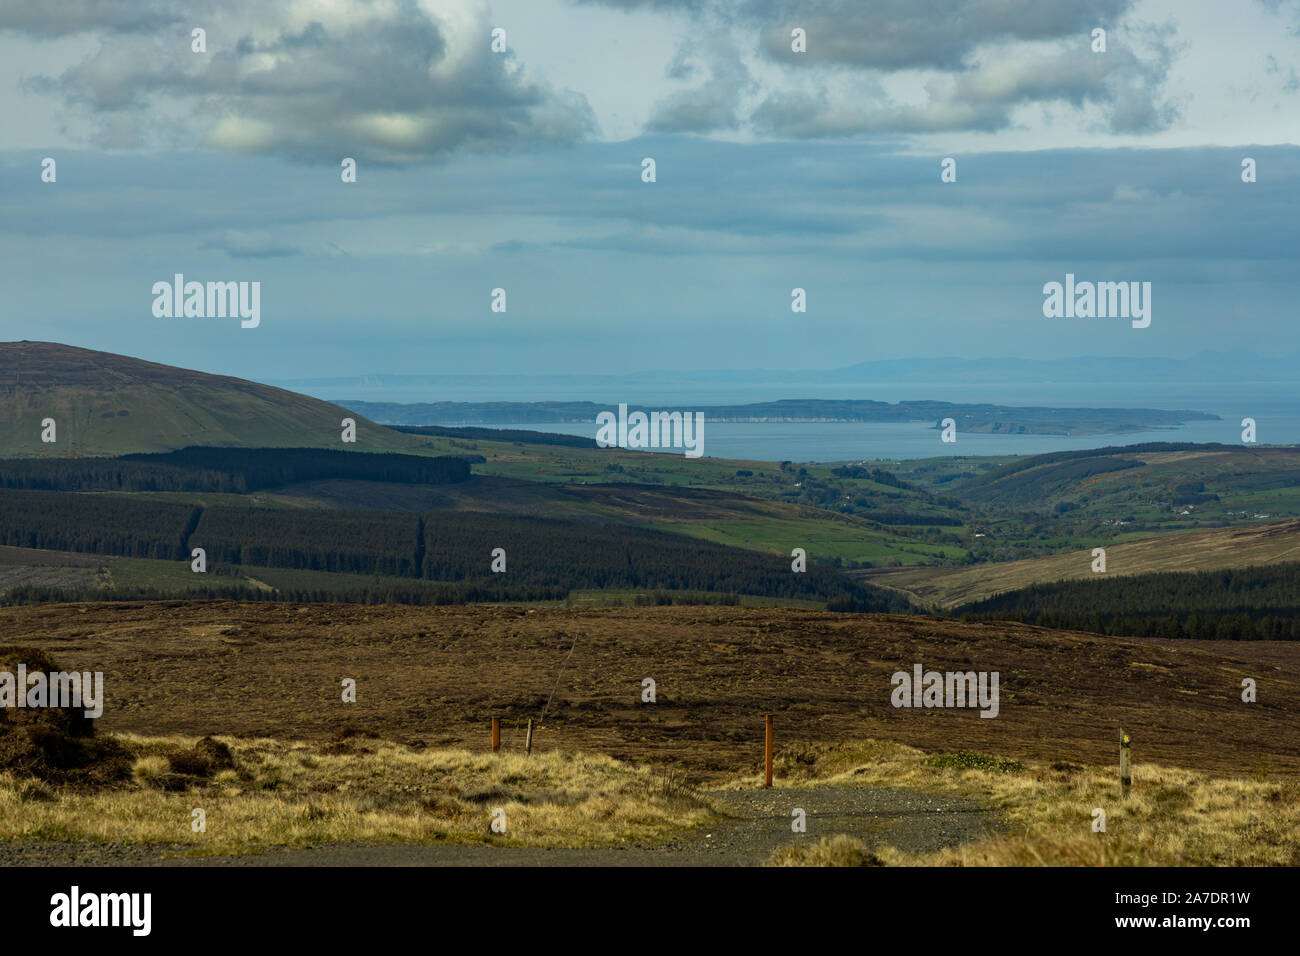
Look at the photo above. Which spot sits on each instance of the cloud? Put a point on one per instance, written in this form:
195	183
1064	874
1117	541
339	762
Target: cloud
895	34
1291	8
976	61
716	103
1133	194
689	5
919	34
70	17
382	82
251	245
827	200
983	97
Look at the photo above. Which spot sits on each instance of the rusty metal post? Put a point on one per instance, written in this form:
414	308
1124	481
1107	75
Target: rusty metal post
496	734
767	751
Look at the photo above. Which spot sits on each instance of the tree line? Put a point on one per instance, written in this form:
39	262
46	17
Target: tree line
230	470
1240	604
418	594
444	546
95	524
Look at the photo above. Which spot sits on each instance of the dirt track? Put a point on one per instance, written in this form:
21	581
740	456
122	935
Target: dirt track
436	675
758	821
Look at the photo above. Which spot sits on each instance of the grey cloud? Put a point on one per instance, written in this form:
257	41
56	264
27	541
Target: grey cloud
896	34
984	97
714	104
826	200
690	5
812	115
380	84
912	34
683	66
988	55
48	19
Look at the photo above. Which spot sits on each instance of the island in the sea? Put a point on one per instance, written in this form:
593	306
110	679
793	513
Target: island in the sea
979	418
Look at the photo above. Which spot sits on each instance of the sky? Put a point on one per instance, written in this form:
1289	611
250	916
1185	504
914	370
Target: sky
522	170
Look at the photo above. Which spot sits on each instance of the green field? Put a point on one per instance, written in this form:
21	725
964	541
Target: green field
821	540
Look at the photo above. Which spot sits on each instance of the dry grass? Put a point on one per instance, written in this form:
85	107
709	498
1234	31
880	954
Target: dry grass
1173	817
838	850
372	791
366	790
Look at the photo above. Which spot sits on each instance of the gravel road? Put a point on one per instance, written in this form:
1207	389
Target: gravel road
756	823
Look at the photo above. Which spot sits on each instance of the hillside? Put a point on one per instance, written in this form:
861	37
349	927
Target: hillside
1259	603
107	404
1205	478
1210	550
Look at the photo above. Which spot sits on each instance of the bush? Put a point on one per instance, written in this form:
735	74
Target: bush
968	760
203	760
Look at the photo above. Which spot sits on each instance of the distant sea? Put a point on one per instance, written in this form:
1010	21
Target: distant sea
1275	406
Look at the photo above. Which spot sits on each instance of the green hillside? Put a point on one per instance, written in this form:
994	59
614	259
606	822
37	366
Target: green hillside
106	404
1213	549
1156	479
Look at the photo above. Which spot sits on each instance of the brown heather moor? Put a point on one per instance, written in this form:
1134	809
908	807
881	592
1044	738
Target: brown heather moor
435	675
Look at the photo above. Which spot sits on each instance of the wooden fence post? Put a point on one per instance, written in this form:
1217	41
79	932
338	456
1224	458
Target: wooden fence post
1125	780
528	740
767	750
496	734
